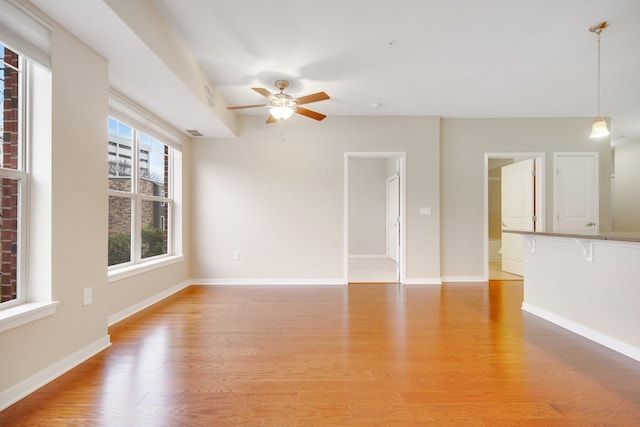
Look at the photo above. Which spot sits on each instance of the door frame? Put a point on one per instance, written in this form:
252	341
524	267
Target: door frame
401	158
539	194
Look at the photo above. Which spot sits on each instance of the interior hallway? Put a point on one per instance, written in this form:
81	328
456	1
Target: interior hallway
372	270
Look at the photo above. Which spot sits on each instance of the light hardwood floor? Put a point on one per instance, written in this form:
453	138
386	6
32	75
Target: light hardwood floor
365	354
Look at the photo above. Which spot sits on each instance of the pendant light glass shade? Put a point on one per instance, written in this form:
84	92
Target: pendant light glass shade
599	128
281	113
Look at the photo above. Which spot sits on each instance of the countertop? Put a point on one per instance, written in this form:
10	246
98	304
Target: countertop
622	236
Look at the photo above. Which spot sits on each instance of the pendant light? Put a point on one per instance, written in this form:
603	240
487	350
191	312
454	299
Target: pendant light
599	128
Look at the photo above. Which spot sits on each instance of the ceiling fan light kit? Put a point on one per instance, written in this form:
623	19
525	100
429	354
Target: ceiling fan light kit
599	127
281	112
282	106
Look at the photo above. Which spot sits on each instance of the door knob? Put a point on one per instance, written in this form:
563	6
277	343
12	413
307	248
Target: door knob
503	224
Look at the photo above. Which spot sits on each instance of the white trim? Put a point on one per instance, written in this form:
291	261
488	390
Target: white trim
25	313
13	394
270	282
539	159
425	281
462	279
148	302
602	339
380	256
25	32
135	269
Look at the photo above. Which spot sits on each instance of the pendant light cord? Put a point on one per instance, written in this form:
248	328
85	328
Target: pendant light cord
599	116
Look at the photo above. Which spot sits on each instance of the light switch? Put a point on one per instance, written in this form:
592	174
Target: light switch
87	296
425	211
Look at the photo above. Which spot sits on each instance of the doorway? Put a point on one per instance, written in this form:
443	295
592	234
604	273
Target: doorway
374	232
494	223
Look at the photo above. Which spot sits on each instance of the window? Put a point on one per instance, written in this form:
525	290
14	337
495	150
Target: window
140	196
13	177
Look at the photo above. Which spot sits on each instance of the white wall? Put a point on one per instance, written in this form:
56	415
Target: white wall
464	142
280	203
627	187
367	206
76	218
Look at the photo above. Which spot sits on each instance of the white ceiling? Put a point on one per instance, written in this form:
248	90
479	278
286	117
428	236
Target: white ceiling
454	58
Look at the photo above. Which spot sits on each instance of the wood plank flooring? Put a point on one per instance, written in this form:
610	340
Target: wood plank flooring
363	354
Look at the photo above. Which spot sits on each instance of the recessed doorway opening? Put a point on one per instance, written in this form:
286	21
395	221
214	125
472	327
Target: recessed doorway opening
513	199
374	218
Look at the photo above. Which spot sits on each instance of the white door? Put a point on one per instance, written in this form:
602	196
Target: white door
518	210
575	189
393	217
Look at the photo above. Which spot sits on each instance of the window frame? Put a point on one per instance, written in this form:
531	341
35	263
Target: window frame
22	175
136	198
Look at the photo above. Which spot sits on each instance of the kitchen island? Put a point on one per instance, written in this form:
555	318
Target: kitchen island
586	282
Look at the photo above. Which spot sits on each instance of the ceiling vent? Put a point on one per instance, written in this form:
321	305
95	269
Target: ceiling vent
194	132
210	94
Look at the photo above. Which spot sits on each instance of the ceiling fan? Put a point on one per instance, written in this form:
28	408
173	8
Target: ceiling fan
282	106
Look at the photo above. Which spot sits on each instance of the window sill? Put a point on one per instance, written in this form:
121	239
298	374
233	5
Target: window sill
25	313
134	270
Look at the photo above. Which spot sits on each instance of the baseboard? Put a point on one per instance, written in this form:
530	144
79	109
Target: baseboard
269	282
426	281
13	394
129	311
602	339
461	279
382	256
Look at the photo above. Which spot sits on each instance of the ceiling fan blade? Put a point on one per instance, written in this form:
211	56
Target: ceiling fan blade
262	91
271	119
246	106
311	114
320	96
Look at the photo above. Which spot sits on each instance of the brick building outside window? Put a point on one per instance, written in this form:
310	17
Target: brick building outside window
11	173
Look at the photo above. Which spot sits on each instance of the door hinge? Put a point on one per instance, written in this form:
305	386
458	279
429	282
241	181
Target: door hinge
534	218
533	173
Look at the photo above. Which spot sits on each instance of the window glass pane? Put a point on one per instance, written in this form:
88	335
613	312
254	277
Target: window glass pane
9	223
119	230
120	155
154	167
9	99
154	228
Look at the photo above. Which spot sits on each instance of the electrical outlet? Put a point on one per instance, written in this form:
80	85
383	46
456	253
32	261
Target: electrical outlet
236	255
87	296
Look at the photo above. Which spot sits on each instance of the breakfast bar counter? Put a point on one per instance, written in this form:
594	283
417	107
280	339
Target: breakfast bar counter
587	282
